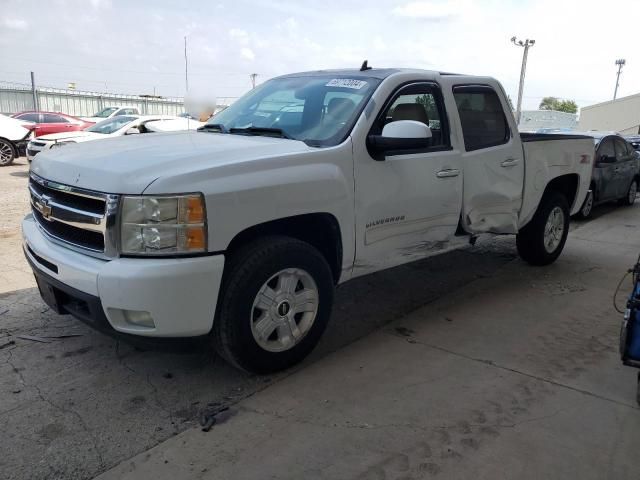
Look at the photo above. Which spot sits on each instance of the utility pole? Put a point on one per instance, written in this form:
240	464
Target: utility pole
186	66
34	93
253	77
620	63
526	44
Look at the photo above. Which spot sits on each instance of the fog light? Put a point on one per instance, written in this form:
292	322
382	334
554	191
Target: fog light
139	317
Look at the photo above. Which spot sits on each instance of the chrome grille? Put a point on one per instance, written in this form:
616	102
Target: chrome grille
78	218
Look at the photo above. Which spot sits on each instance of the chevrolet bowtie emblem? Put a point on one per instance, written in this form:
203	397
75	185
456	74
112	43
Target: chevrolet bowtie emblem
43	206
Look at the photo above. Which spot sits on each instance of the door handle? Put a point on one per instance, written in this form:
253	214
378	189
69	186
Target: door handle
448	173
509	162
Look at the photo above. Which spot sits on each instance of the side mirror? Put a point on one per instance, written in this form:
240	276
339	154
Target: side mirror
132	131
398	136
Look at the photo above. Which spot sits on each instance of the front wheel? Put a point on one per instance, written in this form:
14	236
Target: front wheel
541	241
274	306
7	153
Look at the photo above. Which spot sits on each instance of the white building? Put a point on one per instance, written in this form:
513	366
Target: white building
532	120
621	115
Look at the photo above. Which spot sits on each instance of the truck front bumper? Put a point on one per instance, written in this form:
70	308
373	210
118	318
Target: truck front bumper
149	297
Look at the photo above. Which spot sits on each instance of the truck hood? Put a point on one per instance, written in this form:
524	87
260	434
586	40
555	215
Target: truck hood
131	163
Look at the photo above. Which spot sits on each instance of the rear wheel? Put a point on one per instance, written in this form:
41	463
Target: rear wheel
541	241
275	304
7	153
630	198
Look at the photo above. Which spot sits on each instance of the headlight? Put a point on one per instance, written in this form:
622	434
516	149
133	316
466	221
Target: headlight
60	144
163	225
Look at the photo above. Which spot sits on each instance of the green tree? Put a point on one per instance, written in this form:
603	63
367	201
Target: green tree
568	106
548	103
559	105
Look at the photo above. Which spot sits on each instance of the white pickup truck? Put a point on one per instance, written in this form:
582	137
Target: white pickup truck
240	231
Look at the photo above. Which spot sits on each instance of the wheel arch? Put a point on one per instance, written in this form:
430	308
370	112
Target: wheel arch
567	185
321	230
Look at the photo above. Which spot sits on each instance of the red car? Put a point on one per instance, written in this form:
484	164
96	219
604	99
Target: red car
51	122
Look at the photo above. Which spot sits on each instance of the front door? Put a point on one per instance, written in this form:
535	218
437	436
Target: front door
408	204
493	162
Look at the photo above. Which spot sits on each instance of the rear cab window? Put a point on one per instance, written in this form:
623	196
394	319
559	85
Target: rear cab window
482	117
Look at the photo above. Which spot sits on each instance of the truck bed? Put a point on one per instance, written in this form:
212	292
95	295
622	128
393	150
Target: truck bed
548	156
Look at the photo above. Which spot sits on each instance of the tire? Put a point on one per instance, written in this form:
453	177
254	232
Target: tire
531	239
7	152
587	207
630	197
260	271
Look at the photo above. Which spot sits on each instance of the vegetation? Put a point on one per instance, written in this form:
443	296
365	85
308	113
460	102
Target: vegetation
558	104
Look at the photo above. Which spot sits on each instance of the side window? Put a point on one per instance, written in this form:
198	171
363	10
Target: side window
622	152
420	102
482	117
50	118
606	148
30	117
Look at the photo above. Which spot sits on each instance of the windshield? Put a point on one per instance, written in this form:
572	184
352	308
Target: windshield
110	125
319	110
104	113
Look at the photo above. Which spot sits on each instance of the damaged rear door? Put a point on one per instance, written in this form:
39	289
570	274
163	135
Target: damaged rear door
493	161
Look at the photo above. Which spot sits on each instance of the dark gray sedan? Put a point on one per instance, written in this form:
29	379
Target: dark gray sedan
616	172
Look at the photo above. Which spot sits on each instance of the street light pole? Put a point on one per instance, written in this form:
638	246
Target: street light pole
526	44
620	63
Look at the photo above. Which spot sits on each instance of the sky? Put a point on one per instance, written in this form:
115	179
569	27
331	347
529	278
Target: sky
137	47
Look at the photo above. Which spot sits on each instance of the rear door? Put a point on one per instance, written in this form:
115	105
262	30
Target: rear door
52	123
605	171
624	169
493	161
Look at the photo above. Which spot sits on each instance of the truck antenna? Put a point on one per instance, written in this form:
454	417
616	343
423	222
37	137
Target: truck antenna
365	66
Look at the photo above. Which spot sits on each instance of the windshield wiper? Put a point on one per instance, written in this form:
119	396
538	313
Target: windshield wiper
270	132
213	126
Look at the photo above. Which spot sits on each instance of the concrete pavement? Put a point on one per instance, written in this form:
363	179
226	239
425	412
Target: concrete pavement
77	406
515	375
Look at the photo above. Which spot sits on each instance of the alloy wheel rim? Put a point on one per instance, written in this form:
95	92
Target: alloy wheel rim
588	205
554	230
5	153
284	310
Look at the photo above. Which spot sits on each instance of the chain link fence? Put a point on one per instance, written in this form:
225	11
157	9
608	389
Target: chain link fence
17	97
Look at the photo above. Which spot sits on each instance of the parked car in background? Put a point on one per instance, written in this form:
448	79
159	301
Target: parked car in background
14	135
634	140
616	172
110	112
52	122
109	128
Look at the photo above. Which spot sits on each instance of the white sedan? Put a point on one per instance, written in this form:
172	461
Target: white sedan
112	127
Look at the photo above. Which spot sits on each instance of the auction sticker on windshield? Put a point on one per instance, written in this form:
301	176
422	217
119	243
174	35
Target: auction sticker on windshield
346	83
